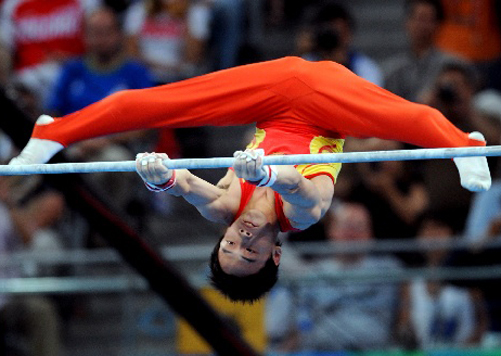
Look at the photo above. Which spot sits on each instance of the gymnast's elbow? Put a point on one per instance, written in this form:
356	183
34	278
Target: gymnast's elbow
306	217
315	214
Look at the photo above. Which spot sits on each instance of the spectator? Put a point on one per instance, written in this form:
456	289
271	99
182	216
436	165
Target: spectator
452	94
392	191
484	217
487	105
471	29
28	325
335	316
282	13
169	36
328	36
41	35
227	32
102	70
436	313
410	73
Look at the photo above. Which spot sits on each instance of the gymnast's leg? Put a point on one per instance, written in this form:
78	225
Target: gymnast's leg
232	97
348	104
323	94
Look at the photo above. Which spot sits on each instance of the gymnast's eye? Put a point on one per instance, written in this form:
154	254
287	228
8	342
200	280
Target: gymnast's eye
250	250
230	242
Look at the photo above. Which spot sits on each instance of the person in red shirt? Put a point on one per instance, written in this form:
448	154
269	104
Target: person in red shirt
298	107
41	35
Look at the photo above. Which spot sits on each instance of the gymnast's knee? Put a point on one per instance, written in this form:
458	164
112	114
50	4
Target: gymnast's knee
119	101
293	66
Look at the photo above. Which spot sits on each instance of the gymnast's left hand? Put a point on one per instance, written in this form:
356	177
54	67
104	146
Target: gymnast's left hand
151	169
248	165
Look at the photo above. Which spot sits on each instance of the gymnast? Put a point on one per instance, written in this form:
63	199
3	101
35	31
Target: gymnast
298	107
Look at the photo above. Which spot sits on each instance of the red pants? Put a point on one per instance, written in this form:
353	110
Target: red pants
288	90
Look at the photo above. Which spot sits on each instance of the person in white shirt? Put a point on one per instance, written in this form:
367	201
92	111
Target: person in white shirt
322	315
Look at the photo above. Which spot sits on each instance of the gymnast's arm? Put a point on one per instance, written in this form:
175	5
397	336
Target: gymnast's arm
203	195
305	200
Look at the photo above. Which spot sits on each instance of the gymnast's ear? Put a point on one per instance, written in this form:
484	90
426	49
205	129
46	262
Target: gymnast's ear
277	255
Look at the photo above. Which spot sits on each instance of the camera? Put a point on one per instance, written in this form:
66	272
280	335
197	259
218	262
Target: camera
447	93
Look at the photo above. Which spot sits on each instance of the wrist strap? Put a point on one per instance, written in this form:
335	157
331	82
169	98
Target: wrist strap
171	183
269	179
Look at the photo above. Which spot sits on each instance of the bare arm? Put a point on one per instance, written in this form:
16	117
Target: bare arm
201	194
305	201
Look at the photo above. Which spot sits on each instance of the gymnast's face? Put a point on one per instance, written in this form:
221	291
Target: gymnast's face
247	244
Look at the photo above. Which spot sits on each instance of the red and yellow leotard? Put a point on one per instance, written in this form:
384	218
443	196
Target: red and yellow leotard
247	190
299	139
292	139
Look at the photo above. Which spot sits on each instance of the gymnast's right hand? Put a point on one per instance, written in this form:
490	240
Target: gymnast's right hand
151	169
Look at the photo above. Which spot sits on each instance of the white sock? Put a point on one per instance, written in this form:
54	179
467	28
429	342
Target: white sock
474	171
38	150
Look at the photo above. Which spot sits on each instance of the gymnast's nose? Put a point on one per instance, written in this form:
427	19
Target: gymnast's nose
246	235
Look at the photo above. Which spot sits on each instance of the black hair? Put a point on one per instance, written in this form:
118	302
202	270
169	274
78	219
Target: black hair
436	4
330	11
465	69
441	217
326	39
242	289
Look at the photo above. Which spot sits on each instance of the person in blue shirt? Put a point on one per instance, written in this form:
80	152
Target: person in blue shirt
101	71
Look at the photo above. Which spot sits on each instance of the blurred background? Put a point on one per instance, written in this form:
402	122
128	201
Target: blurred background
406	262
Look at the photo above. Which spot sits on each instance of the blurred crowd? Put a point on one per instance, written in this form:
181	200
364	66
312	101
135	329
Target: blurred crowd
59	56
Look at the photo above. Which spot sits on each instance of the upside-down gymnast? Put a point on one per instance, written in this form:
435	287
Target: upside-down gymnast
298	107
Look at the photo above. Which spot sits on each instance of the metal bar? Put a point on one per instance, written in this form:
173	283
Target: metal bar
225	162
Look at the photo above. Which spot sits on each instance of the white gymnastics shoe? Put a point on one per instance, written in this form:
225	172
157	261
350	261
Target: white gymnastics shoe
38	150
474	171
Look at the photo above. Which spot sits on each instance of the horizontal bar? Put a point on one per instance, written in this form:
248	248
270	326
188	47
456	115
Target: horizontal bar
225	162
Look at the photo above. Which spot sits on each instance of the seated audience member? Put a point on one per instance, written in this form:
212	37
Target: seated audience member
41	35
487	113
484	217
452	94
436	313
323	315
103	70
410	73
169	37
227	32
329	35
29	325
392	191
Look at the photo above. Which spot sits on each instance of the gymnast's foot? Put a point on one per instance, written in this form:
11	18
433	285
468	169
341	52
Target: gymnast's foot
474	171
38	150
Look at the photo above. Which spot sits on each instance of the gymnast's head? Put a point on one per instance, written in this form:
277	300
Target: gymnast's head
245	260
